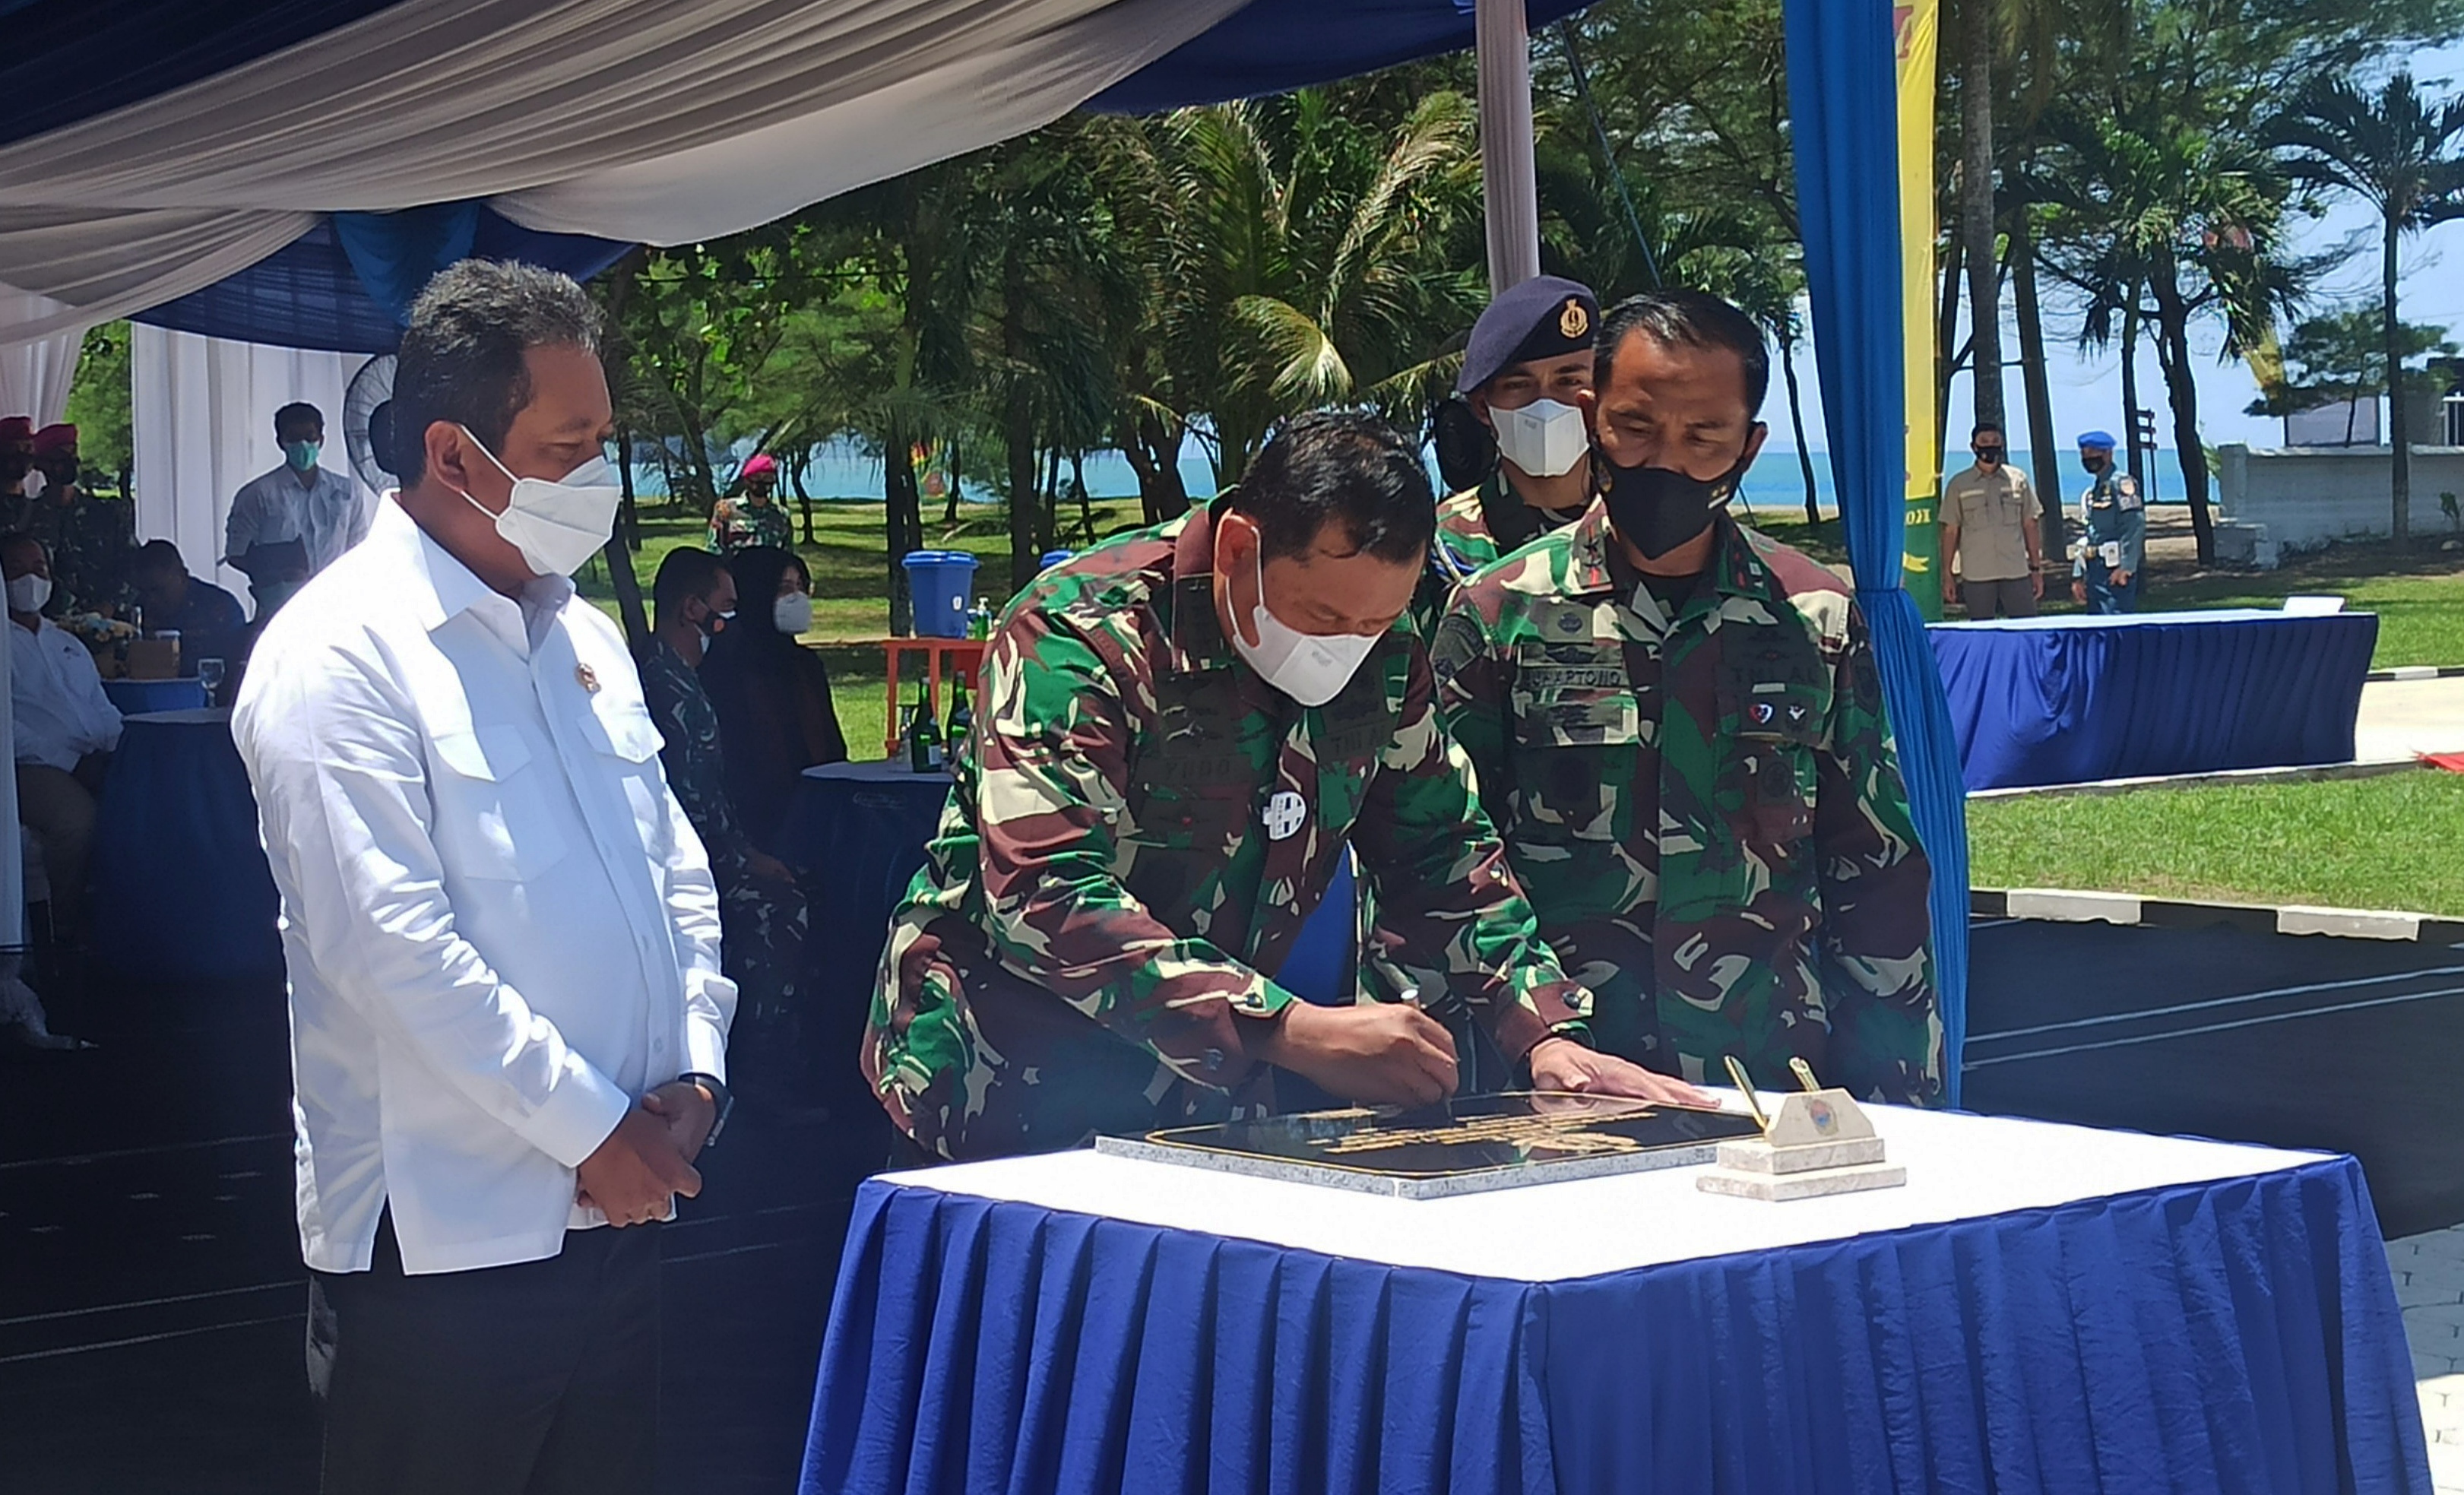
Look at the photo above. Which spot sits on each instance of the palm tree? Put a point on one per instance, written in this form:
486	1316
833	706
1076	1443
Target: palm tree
2160	222
2398	153
1311	260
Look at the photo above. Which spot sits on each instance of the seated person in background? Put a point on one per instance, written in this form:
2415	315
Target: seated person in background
89	537
65	730
773	695
761	911
210	621
750	516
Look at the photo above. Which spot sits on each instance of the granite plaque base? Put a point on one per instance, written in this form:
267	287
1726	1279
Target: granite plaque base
1467	1145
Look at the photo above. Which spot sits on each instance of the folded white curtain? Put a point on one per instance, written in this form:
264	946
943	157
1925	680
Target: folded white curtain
656	121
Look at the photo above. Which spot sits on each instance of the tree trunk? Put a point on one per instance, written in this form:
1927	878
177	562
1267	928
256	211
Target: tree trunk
1797	423
1047	533
1152	447
950	471
2399	438
2044	443
902	511
1018	426
1086	500
2130	383
2182	393
1947	332
804	495
1976	208
619	550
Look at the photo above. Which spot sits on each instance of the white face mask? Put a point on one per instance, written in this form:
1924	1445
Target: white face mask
557	525
1313	669
28	592
1544	438
792	613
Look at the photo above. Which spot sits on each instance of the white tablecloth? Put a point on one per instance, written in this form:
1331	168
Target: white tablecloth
1960	1167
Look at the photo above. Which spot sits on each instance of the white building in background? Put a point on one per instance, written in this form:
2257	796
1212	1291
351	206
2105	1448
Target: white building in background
2316	489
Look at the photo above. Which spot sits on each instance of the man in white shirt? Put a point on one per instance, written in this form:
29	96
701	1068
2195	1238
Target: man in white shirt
295	520
508	1021
66	729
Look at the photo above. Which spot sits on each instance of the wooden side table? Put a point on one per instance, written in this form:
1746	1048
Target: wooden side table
962	657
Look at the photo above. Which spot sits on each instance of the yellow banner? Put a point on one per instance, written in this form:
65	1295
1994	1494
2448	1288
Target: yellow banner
1919	23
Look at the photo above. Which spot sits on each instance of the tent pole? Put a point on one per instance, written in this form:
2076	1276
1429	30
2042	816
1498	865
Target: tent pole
1509	180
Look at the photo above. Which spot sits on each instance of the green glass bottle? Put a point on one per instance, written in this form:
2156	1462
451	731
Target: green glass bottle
962	719
924	746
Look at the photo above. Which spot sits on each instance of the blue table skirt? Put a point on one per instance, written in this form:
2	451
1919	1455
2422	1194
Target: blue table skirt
181	887
2075	700
2240	1336
142	697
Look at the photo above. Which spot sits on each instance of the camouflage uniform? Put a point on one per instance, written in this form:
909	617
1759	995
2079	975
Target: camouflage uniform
91	541
1139	827
1704	811
738	524
762	921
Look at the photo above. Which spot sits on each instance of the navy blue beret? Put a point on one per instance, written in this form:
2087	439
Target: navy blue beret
1546	317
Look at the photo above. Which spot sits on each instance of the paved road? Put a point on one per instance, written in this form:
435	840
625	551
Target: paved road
2291	1040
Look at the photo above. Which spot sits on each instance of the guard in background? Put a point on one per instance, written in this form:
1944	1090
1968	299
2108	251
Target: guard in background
1514	437
2104	567
1677	725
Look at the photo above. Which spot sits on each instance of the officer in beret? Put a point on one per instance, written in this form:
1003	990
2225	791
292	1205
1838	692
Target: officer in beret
1524	372
2106	560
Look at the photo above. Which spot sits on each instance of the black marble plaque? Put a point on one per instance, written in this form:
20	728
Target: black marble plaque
1466	1145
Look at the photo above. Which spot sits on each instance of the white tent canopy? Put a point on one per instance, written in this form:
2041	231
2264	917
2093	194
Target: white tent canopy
630	119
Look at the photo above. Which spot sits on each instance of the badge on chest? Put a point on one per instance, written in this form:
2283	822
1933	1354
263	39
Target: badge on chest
1285	814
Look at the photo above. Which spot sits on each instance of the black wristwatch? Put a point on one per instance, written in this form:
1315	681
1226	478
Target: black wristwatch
718	1092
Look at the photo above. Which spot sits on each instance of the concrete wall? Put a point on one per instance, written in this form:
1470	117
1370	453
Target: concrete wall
2307	496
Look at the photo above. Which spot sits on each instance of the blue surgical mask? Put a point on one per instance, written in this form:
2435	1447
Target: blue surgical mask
301	455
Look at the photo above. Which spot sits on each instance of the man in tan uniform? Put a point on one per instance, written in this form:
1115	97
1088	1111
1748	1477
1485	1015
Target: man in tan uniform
1989	522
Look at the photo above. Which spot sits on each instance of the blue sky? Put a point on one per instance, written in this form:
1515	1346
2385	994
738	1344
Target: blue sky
2087	389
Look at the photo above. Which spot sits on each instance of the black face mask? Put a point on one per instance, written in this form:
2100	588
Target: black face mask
1991	456
1657	509
2096	464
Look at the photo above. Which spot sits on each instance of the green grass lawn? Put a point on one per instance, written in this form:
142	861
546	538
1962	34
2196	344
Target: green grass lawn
2418	593
2385	842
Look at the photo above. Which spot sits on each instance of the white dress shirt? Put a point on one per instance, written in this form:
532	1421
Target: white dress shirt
57	693
326	517
500	928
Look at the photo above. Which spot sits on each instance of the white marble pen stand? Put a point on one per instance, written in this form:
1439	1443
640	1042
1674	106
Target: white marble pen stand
1822	1143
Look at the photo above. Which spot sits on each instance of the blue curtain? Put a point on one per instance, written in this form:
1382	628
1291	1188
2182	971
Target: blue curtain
1842	99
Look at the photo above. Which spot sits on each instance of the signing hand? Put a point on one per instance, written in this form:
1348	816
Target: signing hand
1377	1053
1560	1063
689	1112
635	1174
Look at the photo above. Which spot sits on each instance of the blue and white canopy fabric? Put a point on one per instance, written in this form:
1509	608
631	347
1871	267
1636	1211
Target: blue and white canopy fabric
161	148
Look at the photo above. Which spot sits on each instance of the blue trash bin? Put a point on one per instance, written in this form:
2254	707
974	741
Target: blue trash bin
941	583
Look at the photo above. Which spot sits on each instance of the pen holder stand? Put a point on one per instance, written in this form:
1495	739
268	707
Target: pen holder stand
1820	1143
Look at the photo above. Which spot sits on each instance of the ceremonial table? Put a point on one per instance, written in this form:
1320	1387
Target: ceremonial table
2042	1307
2075	700
182	890
141	698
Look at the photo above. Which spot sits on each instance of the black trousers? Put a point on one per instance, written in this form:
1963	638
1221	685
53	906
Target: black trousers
533	1379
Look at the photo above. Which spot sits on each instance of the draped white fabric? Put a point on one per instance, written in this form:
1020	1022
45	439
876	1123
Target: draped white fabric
632	120
35	375
201	421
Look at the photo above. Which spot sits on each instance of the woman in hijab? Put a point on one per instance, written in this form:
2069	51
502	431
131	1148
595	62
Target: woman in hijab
772	693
